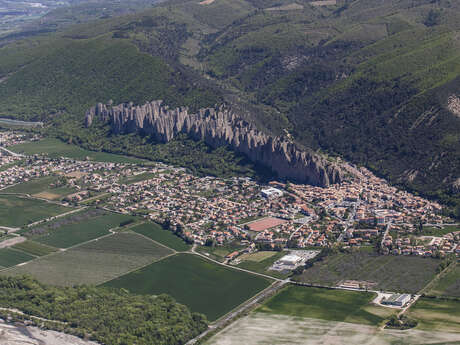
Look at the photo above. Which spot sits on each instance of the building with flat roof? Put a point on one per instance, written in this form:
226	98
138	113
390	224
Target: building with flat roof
271	193
396	300
290	260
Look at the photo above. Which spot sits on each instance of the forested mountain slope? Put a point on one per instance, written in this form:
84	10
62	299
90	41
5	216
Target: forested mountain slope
376	82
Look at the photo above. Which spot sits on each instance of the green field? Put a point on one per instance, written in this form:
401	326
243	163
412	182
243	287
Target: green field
137	178
94	262
32	210
71	234
390	273
56	148
34	248
327	304
436	314
448	284
203	286
165	237
40	185
10	257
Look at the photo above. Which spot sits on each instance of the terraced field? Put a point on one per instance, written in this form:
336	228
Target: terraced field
94	262
203	286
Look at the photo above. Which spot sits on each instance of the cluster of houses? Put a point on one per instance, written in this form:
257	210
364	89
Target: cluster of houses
218	211
427	246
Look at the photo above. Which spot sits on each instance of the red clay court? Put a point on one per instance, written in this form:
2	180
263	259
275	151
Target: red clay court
266	223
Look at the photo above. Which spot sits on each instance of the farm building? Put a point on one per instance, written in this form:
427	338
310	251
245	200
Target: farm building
396	300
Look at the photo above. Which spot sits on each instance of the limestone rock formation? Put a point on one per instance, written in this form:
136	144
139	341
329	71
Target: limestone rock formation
219	127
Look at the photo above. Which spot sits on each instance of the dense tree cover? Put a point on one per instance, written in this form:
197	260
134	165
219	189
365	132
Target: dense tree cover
109	316
370	86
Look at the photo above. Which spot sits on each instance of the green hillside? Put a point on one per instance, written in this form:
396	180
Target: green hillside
363	79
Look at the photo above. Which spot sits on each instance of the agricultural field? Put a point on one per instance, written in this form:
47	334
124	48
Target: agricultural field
155	232
32	210
94	262
263	328
261	261
34	248
203	286
41	188
448	283
389	273
327	304
10	257
436	314
68	235
56	148
313	316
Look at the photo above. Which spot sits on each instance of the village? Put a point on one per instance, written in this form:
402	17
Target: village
209	211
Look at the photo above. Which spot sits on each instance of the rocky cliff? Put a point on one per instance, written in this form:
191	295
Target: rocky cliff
219	127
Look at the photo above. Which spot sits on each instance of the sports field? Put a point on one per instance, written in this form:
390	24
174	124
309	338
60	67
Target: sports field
32	210
435	314
264	224
69	235
41	188
10	257
158	234
390	273
94	262
448	284
56	148
203	286
327	304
